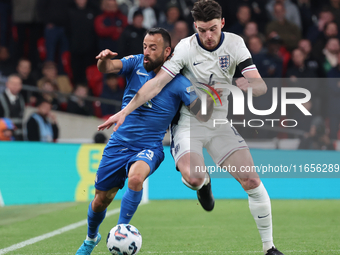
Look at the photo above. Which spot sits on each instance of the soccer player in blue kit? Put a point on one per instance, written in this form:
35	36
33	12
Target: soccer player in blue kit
135	151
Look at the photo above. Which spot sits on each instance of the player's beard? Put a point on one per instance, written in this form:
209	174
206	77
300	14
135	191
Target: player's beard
153	64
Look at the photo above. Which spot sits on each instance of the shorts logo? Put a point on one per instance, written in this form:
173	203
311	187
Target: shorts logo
224	62
146	154
177	147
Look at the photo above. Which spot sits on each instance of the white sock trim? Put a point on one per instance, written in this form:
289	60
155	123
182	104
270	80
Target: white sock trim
190	186
91	239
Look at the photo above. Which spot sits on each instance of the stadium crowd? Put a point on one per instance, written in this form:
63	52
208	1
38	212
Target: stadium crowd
51	45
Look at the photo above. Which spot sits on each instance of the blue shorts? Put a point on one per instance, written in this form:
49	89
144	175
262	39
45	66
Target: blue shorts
117	160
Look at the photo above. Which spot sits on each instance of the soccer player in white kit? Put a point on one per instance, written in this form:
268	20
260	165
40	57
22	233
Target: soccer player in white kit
207	58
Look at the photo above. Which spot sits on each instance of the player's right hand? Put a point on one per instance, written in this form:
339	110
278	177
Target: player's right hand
219	93
106	54
117	119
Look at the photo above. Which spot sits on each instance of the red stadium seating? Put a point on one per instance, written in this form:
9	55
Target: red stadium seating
94	80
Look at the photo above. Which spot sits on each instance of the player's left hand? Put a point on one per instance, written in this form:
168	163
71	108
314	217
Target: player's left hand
117	119
243	84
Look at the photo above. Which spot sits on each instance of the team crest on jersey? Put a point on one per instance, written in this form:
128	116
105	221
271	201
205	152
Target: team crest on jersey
224	62
190	89
148	104
130	56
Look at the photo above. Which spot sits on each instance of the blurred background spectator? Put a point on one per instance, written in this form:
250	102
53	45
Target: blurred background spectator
268	63
145	6
289	32
181	30
42	125
329	57
6	66
12	104
82	38
317	137
27	31
77	103
251	29
109	25
49	93
100	138
324	17
306	47
24	70
111	90
54	15
6	130
172	16
50	72
131	40
243	16
291	12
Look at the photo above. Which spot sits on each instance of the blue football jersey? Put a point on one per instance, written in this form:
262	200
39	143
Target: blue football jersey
145	127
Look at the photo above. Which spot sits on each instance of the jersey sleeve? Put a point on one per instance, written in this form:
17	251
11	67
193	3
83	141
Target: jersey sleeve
243	58
178	59
129	63
187	91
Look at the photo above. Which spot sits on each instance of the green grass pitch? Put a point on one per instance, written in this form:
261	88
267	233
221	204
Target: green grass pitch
181	227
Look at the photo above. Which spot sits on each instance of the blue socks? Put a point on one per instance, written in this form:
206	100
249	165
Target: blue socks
130	202
93	221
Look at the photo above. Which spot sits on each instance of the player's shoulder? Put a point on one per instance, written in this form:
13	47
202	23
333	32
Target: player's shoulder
133	57
232	38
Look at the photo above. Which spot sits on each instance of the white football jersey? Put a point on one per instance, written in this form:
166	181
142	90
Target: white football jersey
208	67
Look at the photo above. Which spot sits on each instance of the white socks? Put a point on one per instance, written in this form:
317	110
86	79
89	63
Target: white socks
260	208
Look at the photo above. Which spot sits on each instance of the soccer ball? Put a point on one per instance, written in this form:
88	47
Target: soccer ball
124	239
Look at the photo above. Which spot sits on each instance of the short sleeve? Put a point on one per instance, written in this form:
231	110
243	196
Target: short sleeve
178	59
129	63
243	58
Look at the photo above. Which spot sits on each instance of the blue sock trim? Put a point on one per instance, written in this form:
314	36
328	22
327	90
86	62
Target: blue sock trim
130	202
93	221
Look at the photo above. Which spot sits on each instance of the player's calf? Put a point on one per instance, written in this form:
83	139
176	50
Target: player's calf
250	182
138	172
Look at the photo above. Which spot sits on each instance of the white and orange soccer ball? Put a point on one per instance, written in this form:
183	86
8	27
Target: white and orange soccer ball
124	239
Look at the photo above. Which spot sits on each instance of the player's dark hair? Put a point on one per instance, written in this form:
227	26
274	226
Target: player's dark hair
165	34
206	10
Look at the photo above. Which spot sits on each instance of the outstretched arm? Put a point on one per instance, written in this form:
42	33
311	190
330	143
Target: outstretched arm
148	91
106	65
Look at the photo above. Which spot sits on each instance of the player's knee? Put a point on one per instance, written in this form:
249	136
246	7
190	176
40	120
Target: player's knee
99	205
135	182
250	183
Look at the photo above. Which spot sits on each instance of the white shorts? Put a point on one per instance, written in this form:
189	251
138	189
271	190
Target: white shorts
220	142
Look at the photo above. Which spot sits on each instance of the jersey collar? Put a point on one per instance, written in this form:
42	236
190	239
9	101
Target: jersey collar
219	44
